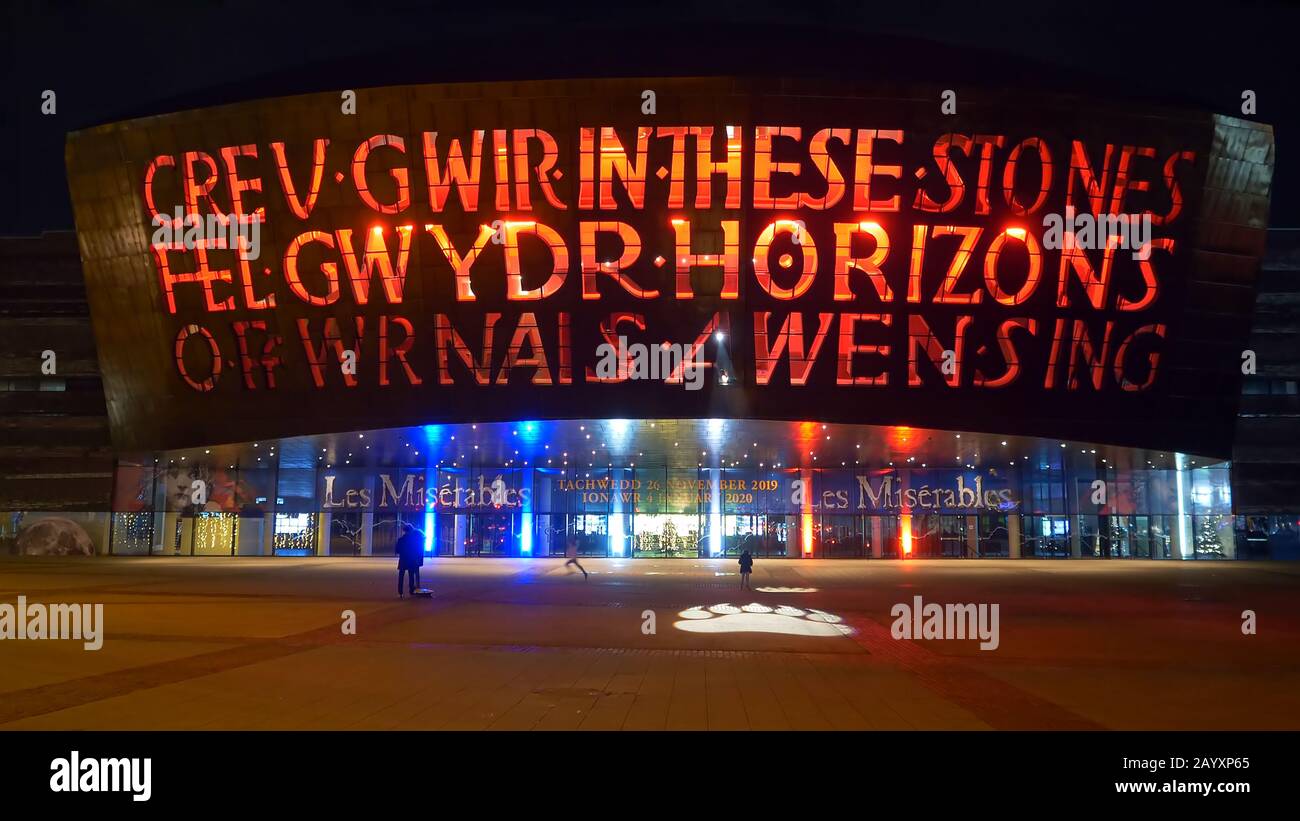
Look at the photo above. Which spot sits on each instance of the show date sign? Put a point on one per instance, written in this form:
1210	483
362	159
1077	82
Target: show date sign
872	257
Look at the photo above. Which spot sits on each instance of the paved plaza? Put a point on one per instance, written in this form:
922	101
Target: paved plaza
228	643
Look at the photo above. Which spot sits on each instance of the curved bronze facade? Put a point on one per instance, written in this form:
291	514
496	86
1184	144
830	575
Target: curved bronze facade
838	252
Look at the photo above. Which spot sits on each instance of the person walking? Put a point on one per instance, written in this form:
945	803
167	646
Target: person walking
571	551
746	563
410	557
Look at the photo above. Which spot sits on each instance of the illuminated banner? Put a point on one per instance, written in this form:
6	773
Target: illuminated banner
409	490
443	258
657	491
917	491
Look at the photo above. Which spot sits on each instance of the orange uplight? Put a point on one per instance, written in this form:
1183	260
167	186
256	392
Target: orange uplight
806	510
899	435
869	226
1018	233
378	229
907	534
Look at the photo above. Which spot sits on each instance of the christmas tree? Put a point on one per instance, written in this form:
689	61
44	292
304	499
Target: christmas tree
1207	535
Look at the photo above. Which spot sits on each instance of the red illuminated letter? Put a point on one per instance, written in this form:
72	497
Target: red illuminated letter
866	167
845	262
764	167
686	260
456	173
362	269
849	347
790	336
400	175
762	248
302	210
514	276
590	267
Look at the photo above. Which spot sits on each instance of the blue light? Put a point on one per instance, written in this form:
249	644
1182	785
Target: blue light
430	515
526	538
526	517
529	433
616	515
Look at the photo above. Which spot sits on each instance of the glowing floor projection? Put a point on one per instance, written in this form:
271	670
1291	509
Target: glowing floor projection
759	618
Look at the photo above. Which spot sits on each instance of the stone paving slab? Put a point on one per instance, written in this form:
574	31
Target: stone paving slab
523	644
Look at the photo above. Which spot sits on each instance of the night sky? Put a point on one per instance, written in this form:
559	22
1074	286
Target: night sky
112	61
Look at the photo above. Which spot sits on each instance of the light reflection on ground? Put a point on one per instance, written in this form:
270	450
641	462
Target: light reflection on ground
785	589
759	618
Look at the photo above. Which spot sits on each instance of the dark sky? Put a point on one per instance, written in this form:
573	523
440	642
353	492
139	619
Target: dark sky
110	61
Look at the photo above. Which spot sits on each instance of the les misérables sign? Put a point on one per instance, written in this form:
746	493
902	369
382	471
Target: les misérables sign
471	268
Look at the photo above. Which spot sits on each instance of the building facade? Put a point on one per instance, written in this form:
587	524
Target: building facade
677	318
56	457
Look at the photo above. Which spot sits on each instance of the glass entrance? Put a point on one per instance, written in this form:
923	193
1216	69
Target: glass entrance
490	534
1152	536
745	532
938	535
592	533
994	537
1046	536
665	535
842	537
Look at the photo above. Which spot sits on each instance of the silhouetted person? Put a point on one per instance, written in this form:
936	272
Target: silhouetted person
746	563
572	552
410	557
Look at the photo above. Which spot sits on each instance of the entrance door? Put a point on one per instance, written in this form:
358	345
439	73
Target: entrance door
592	532
938	535
843	537
994	537
1046	536
491	534
665	535
1116	536
743	532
